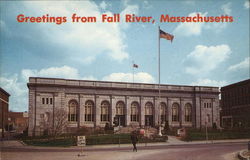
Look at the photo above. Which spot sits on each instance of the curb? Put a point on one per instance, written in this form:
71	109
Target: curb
241	157
24	144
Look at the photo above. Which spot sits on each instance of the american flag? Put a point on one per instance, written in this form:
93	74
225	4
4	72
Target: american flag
165	35
135	66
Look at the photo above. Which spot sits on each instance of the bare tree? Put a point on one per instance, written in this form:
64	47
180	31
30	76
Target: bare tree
55	123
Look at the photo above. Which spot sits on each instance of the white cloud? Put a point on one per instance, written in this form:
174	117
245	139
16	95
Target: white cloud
130	9
103	5
52	72
204	59
4	28
146	5
18	92
89	78
188	29
242	65
82	40
16	85
141	77
209	82
196	28
226	8
247	4
189	2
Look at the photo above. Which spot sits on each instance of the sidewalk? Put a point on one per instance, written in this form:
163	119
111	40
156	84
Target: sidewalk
11	143
172	141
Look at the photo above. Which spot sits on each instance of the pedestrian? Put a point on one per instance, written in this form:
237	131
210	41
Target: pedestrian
134	140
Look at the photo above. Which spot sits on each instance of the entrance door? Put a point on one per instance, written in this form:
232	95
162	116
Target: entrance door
121	120
149	120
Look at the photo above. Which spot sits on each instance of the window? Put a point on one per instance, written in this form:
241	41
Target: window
47	100
72	116
149	109
188	112
43	100
89	107
175	112
134	112
120	108
105	111
163	112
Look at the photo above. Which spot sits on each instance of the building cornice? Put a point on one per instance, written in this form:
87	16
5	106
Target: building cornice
85	84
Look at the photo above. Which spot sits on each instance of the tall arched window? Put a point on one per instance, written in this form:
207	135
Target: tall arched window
163	112
105	111
149	109
149	117
175	112
72	115
120	113
188	113
134	112
89	108
120	108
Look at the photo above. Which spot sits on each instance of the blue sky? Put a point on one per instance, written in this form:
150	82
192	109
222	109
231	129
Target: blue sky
208	54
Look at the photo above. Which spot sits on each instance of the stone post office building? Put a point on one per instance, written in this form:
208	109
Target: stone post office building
94	103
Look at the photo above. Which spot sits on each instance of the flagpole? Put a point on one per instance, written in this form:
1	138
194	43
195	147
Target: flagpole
159	68
133	71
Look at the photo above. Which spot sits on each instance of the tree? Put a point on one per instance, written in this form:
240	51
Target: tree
55	124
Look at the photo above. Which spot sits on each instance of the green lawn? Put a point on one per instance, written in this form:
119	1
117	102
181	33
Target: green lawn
90	140
193	135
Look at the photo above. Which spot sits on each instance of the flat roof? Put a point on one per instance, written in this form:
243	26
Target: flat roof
111	84
243	82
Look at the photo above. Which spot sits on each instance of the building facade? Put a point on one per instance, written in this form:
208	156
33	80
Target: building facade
235	105
4	109
18	121
95	103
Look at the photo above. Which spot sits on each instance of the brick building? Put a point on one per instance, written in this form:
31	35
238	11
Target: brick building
95	103
235	105
18	121
4	109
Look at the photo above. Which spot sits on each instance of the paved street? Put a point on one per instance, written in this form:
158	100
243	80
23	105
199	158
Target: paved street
222	151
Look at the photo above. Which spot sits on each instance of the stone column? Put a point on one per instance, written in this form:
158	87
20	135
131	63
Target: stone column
97	111
169	112
127	111
113	109
198	112
181	112
82	110
157	102
142	112
31	111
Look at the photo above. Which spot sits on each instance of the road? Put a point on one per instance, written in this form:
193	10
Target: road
223	151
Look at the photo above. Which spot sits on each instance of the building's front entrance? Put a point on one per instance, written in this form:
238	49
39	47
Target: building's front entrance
121	120
149	120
